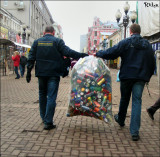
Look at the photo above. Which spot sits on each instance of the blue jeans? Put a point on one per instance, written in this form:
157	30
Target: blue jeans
48	89
22	69
16	71
136	88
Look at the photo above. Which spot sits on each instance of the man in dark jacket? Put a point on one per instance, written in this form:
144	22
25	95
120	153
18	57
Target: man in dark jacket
23	62
48	53
137	67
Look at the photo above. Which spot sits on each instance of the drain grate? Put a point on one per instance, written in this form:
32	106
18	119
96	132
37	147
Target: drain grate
24	131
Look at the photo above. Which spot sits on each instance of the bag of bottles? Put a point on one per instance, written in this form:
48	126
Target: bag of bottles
91	92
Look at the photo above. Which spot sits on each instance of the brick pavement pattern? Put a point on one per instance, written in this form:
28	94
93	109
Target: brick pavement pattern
22	133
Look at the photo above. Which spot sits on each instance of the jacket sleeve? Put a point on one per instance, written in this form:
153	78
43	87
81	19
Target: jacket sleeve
13	58
66	51
113	52
32	56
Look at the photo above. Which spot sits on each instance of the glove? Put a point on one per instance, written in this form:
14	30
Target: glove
84	55
28	77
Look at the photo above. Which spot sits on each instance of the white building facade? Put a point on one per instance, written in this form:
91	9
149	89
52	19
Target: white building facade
32	14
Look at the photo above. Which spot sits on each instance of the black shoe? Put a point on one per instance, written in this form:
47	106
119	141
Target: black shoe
150	113
17	77
117	120
135	137
49	127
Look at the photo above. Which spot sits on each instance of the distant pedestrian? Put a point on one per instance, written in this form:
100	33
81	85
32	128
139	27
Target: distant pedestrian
151	110
48	52
137	67
23	62
16	61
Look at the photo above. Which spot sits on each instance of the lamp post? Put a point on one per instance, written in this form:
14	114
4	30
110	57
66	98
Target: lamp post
126	18
25	34
105	44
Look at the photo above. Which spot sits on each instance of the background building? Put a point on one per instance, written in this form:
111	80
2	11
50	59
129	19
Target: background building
9	26
113	40
33	16
95	32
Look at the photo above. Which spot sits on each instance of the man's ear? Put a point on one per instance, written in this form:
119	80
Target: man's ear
130	32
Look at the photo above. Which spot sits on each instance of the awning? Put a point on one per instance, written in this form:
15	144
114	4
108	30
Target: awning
22	45
6	42
12	43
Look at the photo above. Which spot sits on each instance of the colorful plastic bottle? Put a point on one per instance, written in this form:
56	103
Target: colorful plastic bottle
104	100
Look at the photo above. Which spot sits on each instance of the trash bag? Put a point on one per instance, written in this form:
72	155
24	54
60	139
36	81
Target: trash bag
91	92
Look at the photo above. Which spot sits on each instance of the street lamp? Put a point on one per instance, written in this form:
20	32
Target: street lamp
26	32
133	17
105	43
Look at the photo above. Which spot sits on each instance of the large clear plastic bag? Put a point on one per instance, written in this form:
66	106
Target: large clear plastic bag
91	92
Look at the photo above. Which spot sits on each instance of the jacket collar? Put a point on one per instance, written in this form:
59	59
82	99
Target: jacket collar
48	35
136	34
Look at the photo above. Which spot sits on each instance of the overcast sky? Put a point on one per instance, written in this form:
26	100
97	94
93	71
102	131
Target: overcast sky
76	16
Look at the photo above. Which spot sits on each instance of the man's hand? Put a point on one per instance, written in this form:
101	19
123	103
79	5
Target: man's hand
84	55
28	77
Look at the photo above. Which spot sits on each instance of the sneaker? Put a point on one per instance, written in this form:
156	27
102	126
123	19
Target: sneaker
17	78
117	120
49	127
135	137
150	113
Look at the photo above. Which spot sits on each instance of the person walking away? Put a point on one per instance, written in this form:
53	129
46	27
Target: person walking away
137	67
152	109
48	52
23	62
16	61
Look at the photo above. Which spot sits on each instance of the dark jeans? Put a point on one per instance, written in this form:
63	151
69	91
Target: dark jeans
16	71
48	89
22	69
136	88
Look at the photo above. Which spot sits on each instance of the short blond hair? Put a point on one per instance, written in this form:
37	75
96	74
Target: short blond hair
16	52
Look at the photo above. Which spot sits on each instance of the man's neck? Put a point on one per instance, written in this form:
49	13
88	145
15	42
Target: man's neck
134	33
48	33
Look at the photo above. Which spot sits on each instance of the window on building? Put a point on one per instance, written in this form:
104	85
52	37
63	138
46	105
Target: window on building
5	19
95	33
5	3
40	5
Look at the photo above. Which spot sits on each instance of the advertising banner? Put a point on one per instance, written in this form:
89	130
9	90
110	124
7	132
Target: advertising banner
3	32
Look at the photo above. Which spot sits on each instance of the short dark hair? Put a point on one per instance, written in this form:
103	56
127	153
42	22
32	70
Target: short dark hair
49	29
135	28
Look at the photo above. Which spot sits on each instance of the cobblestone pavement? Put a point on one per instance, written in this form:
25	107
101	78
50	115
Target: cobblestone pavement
22	133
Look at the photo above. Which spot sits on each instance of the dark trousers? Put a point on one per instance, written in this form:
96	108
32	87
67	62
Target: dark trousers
135	88
22	69
16	71
48	90
156	106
